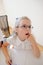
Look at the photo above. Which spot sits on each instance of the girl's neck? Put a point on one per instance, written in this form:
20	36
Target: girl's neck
21	38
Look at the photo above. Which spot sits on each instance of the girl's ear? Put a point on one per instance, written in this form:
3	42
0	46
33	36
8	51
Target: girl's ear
15	30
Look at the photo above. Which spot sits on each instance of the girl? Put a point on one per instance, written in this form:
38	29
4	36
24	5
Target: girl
24	50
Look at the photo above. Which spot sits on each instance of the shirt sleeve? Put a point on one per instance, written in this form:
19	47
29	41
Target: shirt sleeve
4	40
10	40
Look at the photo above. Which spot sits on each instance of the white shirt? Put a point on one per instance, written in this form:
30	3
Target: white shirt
22	53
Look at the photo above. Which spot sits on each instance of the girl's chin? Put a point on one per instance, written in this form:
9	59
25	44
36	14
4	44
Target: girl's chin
27	36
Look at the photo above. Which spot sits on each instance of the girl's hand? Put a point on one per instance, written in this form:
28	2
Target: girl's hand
31	38
8	61
35	48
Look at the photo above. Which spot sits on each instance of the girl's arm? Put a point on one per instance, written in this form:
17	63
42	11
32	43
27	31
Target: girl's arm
35	48
5	52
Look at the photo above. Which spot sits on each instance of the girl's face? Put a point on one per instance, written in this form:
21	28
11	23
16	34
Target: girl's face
24	29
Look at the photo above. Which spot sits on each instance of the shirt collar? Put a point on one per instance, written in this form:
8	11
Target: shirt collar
20	42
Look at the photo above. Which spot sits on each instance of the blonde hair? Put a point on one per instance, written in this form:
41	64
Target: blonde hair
18	20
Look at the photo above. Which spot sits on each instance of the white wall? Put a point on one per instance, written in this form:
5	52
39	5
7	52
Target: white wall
2	9
31	8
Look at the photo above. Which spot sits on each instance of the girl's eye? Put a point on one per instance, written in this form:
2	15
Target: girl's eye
29	26
24	26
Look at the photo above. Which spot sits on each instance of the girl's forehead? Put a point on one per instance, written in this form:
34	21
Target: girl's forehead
25	21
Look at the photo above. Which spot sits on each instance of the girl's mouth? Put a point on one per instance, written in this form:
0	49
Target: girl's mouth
27	34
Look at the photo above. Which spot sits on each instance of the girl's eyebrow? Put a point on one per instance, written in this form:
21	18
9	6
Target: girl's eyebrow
25	25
